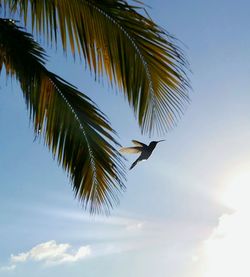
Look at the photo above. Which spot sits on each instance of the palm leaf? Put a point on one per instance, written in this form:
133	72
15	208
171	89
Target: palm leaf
114	38
77	133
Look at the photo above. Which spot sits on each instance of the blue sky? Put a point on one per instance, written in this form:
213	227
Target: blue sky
173	204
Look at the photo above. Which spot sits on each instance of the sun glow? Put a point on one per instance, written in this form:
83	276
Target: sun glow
237	192
227	249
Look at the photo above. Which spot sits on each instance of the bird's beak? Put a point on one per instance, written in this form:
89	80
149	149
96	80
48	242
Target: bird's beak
160	140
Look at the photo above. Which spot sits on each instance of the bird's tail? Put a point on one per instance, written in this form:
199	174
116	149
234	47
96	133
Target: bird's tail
134	164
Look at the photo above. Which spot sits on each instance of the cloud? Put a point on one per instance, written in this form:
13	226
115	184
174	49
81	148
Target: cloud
51	253
135	226
8	268
227	249
121	220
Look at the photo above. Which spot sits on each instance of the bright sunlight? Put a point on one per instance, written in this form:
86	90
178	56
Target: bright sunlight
227	249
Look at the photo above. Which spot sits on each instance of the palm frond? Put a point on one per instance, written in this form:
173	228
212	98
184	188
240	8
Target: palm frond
78	134
114	38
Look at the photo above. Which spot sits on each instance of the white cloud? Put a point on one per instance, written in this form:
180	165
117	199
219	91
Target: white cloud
122	220
22	257
8	268
51	253
226	251
134	226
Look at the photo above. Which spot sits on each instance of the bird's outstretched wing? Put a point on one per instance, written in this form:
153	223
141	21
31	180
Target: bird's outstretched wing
131	150
138	143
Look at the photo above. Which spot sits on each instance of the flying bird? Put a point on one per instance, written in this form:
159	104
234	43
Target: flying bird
145	150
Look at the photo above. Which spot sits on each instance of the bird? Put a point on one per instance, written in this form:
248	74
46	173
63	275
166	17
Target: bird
145	150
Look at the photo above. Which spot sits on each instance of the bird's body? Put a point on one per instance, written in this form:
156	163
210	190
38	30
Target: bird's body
145	150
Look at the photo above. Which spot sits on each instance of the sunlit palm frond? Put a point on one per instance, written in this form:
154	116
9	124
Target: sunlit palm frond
77	133
135	53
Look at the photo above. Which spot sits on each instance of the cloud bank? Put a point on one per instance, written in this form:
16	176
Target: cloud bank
227	249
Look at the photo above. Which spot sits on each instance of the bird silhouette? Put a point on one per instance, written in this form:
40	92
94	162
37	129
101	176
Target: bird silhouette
145	150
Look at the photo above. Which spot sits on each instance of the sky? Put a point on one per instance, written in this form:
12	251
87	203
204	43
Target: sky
185	210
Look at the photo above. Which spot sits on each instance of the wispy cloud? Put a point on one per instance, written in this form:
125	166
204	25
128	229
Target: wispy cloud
135	226
121	220
8	268
129	234
52	253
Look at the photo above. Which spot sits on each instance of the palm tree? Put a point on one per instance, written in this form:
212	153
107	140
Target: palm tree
115	39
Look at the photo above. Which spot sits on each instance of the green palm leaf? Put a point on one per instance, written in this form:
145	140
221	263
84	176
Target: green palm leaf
114	38
77	133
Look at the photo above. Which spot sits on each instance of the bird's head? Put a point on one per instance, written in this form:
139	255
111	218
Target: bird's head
153	143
